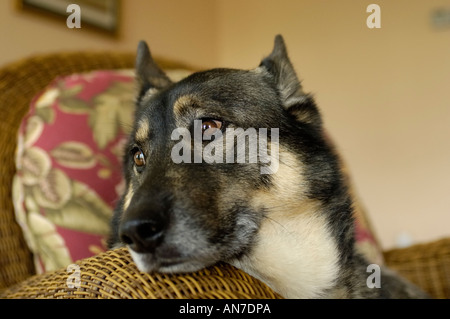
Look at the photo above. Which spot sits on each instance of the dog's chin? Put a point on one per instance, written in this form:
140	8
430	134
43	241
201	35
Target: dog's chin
147	262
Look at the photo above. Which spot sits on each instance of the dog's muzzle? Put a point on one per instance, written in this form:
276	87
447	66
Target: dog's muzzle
144	224
159	242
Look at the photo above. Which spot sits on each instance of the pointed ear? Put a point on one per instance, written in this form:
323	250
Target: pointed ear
148	74
280	67
294	99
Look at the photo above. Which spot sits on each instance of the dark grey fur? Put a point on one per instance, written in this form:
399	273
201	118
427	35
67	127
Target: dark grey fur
182	217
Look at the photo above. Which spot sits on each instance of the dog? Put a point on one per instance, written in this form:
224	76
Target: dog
282	213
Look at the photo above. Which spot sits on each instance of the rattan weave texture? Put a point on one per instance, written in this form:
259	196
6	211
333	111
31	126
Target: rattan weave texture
114	275
426	265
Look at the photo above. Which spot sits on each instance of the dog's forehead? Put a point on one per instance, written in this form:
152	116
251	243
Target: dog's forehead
230	87
214	80
225	93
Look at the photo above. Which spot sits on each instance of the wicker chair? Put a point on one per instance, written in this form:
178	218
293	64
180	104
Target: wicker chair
112	274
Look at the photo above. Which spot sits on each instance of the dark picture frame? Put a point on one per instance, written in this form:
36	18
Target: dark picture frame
102	15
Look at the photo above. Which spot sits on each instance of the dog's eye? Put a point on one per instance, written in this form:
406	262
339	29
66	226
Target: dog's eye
139	158
210	126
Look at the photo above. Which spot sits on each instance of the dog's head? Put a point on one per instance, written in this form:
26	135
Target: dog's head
191	198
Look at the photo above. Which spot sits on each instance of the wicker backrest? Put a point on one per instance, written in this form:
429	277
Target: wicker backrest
426	265
19	83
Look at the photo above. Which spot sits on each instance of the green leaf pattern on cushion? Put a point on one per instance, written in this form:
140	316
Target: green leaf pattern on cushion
48	196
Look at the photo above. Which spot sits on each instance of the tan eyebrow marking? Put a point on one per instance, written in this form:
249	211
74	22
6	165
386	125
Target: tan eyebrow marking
143	130
182	103
148	95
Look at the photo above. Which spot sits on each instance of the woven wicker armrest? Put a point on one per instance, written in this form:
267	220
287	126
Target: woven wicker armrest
113	275
426	265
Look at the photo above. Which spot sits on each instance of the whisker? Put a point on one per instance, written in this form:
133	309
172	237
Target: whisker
276	222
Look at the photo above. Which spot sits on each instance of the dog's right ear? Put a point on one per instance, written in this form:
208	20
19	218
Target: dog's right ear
148	74
298	103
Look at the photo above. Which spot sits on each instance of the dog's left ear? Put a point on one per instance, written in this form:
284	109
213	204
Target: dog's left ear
297	102
148	74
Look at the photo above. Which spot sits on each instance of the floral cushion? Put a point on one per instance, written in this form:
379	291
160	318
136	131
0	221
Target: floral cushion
69	166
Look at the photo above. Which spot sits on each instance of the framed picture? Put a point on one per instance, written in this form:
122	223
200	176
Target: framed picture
102	15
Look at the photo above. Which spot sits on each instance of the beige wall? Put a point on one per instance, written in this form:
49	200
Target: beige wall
384	93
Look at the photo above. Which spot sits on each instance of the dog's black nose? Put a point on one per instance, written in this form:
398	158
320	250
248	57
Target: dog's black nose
144	223
142	235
